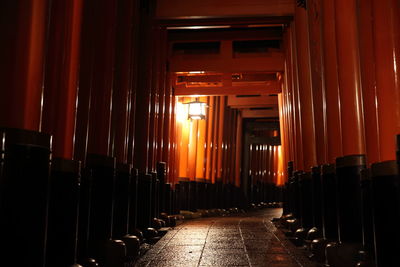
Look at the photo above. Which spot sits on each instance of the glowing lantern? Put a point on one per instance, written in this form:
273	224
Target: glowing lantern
197	110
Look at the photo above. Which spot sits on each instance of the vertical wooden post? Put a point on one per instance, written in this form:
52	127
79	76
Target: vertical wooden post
333	111
22	53
61	80
122	85
387	74
368	79
348	57
299	162
143	93
317	77
306	90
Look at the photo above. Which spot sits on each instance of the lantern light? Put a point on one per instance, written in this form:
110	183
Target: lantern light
197	110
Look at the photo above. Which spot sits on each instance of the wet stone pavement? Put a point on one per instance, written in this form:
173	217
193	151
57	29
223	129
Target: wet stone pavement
246	239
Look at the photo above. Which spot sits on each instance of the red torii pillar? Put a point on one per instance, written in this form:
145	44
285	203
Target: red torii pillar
333	111
61	78
369	88
347	44
306	90
22	52
387	62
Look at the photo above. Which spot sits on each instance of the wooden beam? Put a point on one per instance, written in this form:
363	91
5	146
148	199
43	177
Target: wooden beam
272	87
248	113
232	21
204	8
269	62
235	101
272	33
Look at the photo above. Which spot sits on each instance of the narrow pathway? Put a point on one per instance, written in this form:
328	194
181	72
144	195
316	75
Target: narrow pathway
248	239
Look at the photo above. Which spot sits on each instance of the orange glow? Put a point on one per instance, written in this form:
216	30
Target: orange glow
182	137
238	150
283	149
220	134
199	152
209	143
209	149
200	142
280	179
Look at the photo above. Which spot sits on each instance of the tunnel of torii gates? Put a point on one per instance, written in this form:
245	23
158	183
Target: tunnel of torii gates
101	87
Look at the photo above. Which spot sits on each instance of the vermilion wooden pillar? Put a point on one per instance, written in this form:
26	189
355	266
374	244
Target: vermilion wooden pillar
348	57
172	143
253	162
96	79
272	161
238	155
298	156
84	92
23	26
154	97
225	130
214	168
143	93
261	164
61	76
232	142
166	148
369	87
387	73
220	144
265	161
305	89
396	38
162	121
317	78
200	156
134	81
283	120
286	135
209	136
122	84
99	133
227	151
232	146
287	91
333	115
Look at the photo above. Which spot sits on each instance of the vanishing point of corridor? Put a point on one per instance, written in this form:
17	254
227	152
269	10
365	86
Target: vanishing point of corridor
242	239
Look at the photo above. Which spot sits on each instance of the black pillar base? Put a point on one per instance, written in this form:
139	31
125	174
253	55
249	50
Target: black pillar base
24	183
329	205
348	175
101	199
386	209
343	254
63	212
133	204
144	198
122	200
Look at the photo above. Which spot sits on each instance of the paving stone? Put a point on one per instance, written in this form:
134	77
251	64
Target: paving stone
230	259
245	239
268	259
224	244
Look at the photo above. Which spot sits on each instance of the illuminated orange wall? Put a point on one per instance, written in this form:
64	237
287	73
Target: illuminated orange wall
208	150
266	164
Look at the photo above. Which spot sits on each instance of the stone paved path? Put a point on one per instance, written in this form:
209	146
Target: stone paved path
247	239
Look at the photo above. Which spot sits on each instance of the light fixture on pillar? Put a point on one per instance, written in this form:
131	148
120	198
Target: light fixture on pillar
197	110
